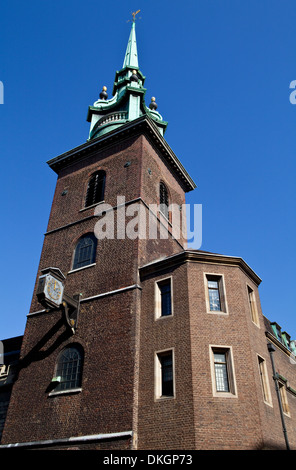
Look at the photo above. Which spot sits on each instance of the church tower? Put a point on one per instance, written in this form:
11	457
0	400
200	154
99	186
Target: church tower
79	366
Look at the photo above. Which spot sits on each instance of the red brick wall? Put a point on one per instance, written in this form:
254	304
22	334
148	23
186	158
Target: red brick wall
195	417
166	423
105	404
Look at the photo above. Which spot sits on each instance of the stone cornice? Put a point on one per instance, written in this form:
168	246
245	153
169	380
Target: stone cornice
277	343
144	125
196	256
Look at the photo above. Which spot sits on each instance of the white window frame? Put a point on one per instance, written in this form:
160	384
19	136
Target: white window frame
265	386
230	371
157	296
284	398
158	375
222	294
253	307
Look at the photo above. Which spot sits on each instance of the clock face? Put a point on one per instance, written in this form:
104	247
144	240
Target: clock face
54	290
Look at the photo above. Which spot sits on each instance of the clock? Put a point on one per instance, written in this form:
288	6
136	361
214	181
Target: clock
51	287
54	289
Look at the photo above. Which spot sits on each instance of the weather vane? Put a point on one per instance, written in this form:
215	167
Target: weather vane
134	14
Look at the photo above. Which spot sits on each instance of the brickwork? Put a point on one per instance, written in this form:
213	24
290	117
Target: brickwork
166	423
105	403
231	422
196	416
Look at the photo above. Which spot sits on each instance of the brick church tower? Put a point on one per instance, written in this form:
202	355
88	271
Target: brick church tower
134	341
84	382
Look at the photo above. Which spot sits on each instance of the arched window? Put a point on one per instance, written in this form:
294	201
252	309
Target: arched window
95	189
85	251
69	368
164	200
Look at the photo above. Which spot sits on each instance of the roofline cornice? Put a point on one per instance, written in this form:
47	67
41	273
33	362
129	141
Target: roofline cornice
277	343
142	124
193	256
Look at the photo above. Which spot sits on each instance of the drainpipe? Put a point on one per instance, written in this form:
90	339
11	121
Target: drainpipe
271	350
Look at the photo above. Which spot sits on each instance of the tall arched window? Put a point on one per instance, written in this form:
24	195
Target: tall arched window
164	200
69	368
85	251
96	188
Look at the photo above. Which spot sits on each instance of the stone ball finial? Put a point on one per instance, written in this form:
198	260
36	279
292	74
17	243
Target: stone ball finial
103	94
153	105
134	76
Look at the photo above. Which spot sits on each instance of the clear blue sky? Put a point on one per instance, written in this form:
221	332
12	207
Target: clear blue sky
220	71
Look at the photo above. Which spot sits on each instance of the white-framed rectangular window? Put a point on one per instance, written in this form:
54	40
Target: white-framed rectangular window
284	398
164	298
215	293
164	374
222	371
264	380
253	306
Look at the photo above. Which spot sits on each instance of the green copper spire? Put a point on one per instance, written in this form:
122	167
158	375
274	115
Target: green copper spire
127	103
131	55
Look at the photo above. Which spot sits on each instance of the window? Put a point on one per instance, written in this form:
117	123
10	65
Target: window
284	398
216	301
221	373
69	369
163	298
164	200
164	374
85	251
223	380
264	380
253	307
214	294
95	189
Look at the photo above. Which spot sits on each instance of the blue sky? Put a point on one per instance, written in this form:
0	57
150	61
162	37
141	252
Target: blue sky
220	71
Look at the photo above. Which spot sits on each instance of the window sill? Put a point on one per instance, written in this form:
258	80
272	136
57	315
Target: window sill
162	317
164	398
65	392
224	395
83	267
217	312
91	207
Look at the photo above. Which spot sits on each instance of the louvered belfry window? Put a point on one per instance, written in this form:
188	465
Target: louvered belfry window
95	189
85	251
164	200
